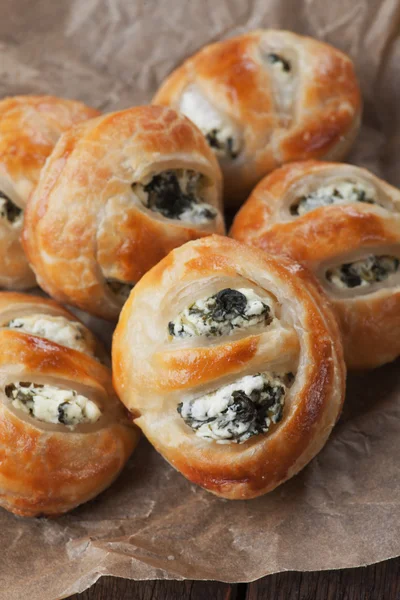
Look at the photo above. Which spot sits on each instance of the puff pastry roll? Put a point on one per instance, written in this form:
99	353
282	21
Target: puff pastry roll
343	223
29	128
116	195
230	362
64	435
265	98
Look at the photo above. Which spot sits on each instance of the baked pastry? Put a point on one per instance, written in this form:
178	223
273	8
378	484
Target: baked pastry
115	196
343	223
29	128
265	98
230	362
44	318
64	436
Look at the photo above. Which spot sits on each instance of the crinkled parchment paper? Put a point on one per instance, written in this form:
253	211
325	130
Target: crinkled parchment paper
343	510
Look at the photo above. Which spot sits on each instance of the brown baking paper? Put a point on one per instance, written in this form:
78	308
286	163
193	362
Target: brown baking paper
343	510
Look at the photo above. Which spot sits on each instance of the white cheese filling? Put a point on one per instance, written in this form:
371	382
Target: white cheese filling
219	131
363	272
52	404
236	412
282	73
71	334
222	314
341	192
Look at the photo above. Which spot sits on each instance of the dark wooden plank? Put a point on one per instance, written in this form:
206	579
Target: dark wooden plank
111	588
377	582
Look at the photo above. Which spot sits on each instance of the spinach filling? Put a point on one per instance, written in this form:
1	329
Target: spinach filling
277	59
364	272
343	192
61	330
239	411
51	404
224	145
221	314
220	132
13	391
175	195
8	210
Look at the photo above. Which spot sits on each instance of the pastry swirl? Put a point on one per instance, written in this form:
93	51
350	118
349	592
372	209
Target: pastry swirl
237	410
29	129
64	434
116	195
265	98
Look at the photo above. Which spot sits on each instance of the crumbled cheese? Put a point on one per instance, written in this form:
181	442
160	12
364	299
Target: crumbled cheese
341	192
222	314
283	84
238	411
9	211
363	272
71	334
217	128
176	194
280	64
52	404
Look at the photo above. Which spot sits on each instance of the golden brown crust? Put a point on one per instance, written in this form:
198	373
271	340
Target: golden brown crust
333	234
29	128
84	226
153	373
317	116
50	469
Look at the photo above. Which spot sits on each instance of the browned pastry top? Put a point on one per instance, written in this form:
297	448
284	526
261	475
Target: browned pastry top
54	457
29	128
160	369
343	223
87	225
265	98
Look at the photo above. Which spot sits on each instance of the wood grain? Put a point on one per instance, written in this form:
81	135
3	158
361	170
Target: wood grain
377	582
109	588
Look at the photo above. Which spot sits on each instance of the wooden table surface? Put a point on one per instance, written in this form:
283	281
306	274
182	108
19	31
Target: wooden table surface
377	582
